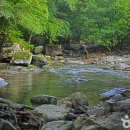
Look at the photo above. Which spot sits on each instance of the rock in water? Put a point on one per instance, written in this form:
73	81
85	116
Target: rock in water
58	125
22	58
43	99
39	60
50	112
108	94
3	83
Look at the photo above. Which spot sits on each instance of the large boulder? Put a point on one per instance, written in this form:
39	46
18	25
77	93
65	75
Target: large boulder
3	83
39	60
76	102
58	125
50	112
43	99
22	58
5	125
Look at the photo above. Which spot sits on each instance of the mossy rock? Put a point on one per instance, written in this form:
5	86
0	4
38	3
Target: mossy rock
39	60
22	58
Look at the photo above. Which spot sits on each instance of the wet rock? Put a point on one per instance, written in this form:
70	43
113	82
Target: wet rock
39	60
3	83
58	125
50	112
77	102
43	99
38	49
22	58
5	125
108	94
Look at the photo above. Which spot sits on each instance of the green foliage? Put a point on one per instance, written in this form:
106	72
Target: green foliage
21	55
107	22
22	18
104	22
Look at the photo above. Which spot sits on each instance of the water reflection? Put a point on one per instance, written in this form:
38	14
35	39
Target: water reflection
63	81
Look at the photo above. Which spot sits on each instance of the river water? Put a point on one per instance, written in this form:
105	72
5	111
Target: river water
62	81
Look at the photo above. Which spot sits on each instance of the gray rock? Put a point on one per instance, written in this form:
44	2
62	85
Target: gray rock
112	106
82	121
22	58
5	125
38	49
3	83
110	122
77	101
58	125
115	62
108	94
50	112
123	105
96	111
43	99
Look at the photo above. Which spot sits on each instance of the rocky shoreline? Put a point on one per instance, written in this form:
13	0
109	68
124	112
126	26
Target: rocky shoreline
70	113
114	62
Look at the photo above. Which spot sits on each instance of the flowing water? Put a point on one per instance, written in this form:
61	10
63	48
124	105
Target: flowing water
62	81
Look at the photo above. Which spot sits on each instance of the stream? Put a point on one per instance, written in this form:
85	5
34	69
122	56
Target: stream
62	81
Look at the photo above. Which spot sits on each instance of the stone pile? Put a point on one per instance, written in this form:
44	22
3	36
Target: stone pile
70	113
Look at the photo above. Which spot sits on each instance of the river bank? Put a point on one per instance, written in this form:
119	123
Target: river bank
67	113
63	78
70	113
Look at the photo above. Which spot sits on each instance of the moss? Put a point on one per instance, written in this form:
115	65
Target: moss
39	57
21	55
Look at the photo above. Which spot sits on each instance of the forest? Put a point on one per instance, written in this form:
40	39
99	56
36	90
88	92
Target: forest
28	22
